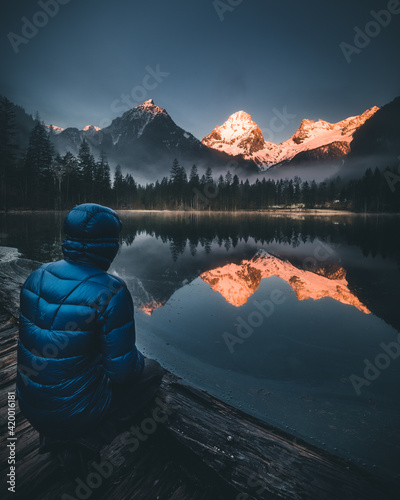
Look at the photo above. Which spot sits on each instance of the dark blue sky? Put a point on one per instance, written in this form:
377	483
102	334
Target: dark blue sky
263	56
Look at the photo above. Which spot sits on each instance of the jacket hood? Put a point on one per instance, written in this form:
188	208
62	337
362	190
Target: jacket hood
91	235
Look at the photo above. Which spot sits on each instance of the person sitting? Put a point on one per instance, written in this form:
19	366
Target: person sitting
78	363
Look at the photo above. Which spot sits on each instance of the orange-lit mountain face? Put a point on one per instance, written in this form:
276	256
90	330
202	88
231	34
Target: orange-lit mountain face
236	283
239	135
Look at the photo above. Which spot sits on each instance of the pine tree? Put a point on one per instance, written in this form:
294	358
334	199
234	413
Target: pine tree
305	194
130	188
58	173
175	171
87	166
322	196
313	194
194	176
209	176
38	171
178	181
71	180
296	190
235	193
178	175
102	180
164	186
118	185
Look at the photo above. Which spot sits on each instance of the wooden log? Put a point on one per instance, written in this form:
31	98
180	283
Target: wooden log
259	459
13	273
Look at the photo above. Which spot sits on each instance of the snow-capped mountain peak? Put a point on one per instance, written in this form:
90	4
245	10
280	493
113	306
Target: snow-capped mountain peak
238	135
147	107
136	120
239	117
91	128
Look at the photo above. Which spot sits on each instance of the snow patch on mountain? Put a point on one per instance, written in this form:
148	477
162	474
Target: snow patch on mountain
56	130
91	128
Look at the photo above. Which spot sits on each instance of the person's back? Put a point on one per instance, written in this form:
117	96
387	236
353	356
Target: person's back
77	331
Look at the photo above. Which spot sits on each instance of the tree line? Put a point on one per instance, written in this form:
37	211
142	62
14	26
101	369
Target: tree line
38	178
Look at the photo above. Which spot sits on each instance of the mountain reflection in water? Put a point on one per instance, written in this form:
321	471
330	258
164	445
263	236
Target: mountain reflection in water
236	283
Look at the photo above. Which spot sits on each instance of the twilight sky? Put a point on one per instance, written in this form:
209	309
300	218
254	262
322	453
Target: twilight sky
261	56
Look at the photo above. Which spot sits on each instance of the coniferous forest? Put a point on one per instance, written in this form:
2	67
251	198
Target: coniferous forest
38	178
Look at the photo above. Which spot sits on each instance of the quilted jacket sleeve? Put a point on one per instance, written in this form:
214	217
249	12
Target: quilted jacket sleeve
121	359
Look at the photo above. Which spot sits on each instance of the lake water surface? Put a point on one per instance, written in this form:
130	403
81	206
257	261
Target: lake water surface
292	319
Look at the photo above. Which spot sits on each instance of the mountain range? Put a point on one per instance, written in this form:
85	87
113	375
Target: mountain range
145	140
239	135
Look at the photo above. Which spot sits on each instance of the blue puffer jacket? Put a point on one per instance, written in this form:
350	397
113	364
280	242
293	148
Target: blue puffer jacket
77	330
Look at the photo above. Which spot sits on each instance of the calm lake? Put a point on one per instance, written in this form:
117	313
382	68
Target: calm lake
292	319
